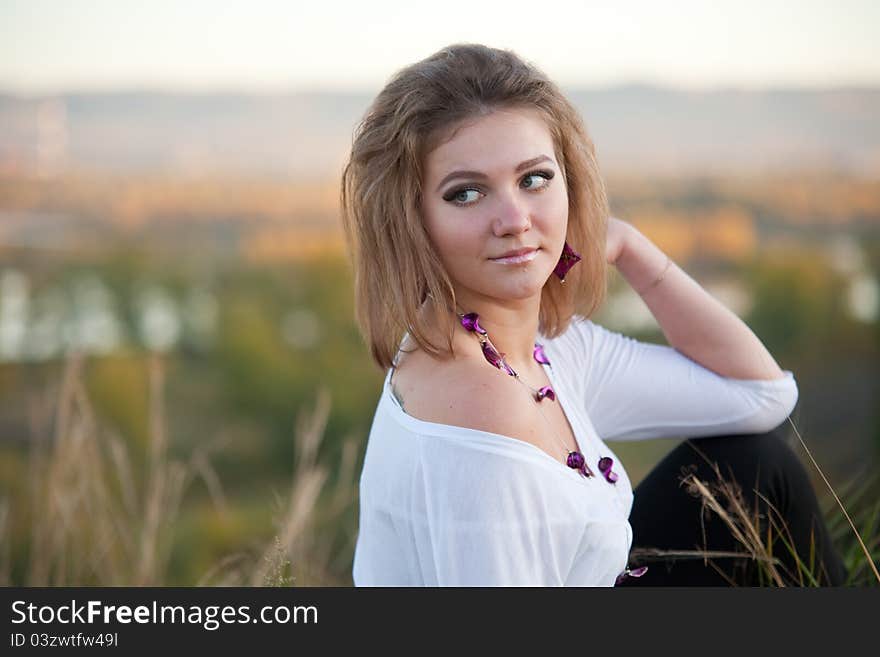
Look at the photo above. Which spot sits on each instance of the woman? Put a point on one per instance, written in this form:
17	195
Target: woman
479	231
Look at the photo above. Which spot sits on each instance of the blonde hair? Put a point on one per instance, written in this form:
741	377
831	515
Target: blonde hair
395	266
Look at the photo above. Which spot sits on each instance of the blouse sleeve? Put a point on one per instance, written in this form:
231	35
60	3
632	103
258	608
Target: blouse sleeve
493	520
638	390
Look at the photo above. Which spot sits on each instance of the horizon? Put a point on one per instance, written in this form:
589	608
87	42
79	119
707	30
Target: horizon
340	91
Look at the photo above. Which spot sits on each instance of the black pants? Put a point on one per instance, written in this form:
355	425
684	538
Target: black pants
667	510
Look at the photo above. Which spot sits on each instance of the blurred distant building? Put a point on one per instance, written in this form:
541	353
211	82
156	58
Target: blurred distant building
34	136
52	137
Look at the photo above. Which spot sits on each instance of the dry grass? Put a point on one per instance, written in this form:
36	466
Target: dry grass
724	498
91	524
296	535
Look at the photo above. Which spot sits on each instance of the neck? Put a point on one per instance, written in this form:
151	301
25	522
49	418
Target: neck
512	328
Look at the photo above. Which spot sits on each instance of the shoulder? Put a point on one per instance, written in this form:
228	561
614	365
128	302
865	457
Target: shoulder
577	335
474	395
599	344
582	330
572	350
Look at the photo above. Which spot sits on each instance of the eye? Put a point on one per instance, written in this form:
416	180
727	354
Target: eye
459	196
546	176
465	196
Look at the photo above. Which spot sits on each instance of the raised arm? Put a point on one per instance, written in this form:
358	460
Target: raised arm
635	390
693	321
716	378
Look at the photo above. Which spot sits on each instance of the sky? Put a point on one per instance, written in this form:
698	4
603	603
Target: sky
259	46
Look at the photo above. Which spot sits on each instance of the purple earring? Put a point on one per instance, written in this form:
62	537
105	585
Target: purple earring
567	260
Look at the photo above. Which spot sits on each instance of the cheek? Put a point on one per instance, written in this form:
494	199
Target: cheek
458	240
450	229
551	210
450	232
560	195
558	202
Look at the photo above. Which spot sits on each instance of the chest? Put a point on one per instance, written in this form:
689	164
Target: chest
545	423
551	430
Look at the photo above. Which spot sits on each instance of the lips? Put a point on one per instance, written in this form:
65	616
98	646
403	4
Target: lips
517	252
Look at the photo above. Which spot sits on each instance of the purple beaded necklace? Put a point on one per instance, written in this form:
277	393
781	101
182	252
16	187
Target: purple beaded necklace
575	459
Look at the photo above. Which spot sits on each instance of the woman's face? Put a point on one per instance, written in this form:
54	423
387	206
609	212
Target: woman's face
511	196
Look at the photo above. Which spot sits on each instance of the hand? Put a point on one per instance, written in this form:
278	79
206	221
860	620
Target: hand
617	236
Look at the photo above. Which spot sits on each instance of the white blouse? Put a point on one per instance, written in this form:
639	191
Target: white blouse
444	505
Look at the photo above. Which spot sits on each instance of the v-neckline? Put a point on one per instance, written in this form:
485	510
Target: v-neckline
561	393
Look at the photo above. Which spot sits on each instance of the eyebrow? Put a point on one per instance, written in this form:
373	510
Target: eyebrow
483	176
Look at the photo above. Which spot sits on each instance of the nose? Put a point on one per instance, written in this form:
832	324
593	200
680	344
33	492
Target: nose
511	216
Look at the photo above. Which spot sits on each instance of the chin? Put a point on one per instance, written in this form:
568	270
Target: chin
523	290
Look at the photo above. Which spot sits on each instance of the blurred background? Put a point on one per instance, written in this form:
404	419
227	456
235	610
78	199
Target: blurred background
184	396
